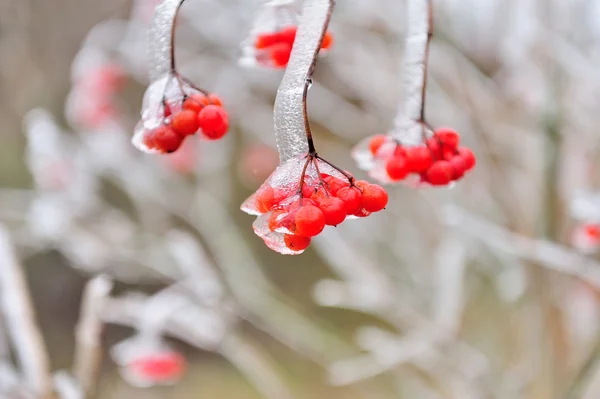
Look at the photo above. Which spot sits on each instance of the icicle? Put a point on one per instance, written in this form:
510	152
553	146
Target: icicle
290	126
407	128
160	39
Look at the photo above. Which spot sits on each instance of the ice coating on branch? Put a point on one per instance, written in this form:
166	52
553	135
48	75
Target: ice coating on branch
160	34
289	119
406	128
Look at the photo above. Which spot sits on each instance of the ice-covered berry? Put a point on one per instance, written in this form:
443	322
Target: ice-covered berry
213	121
309	221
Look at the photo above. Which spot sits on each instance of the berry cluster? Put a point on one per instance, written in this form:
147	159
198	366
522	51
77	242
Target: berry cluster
273	49
174	109
303	196
438	161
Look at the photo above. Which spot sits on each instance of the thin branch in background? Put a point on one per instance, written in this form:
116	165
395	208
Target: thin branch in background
19	316
88	334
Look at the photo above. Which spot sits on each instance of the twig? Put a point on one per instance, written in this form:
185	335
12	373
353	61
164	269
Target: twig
16	305
88	335
255	365
292	130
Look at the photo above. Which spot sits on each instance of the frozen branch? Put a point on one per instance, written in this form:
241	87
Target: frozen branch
292	131
411	115
546	253
16	305
161	39
88	335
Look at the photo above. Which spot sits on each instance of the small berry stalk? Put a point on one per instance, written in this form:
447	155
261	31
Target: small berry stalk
306	192
173	107
414	152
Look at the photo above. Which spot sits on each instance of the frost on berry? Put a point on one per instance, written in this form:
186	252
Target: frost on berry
146	362
303	196
270	41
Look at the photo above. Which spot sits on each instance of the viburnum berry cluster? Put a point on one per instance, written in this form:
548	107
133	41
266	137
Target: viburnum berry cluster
303	196
438	161
273	49
174	109
270	44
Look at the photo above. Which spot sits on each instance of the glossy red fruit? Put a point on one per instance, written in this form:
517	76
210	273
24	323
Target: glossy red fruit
468	156
418	159
376	142
266	40
213	121
167	139
459	167
397	168
275	219
327	41
333	184
215	100
310	221
185	122
195	102
280	54
308	190
351	197
435	148
287	35
148	139
295	242
267	198
374	198
440	173
448	137
334	210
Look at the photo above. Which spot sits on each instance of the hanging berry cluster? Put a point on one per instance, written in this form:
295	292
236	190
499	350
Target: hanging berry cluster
303	196
271	42
438	161
173	108
305	193
414	152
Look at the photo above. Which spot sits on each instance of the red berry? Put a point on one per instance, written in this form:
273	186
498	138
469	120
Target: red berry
185	122
435	148
362	213
309	220
195	102
266	40
361	183
397	168
440	173
376	143
287	35
418	158
274	219
448	153
374	198
459	166
448	136
333	184
268	197
296	243
308	190
467	155
351	197
149	139
213	121
280	54
327	41
166	139
215	100
333	209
